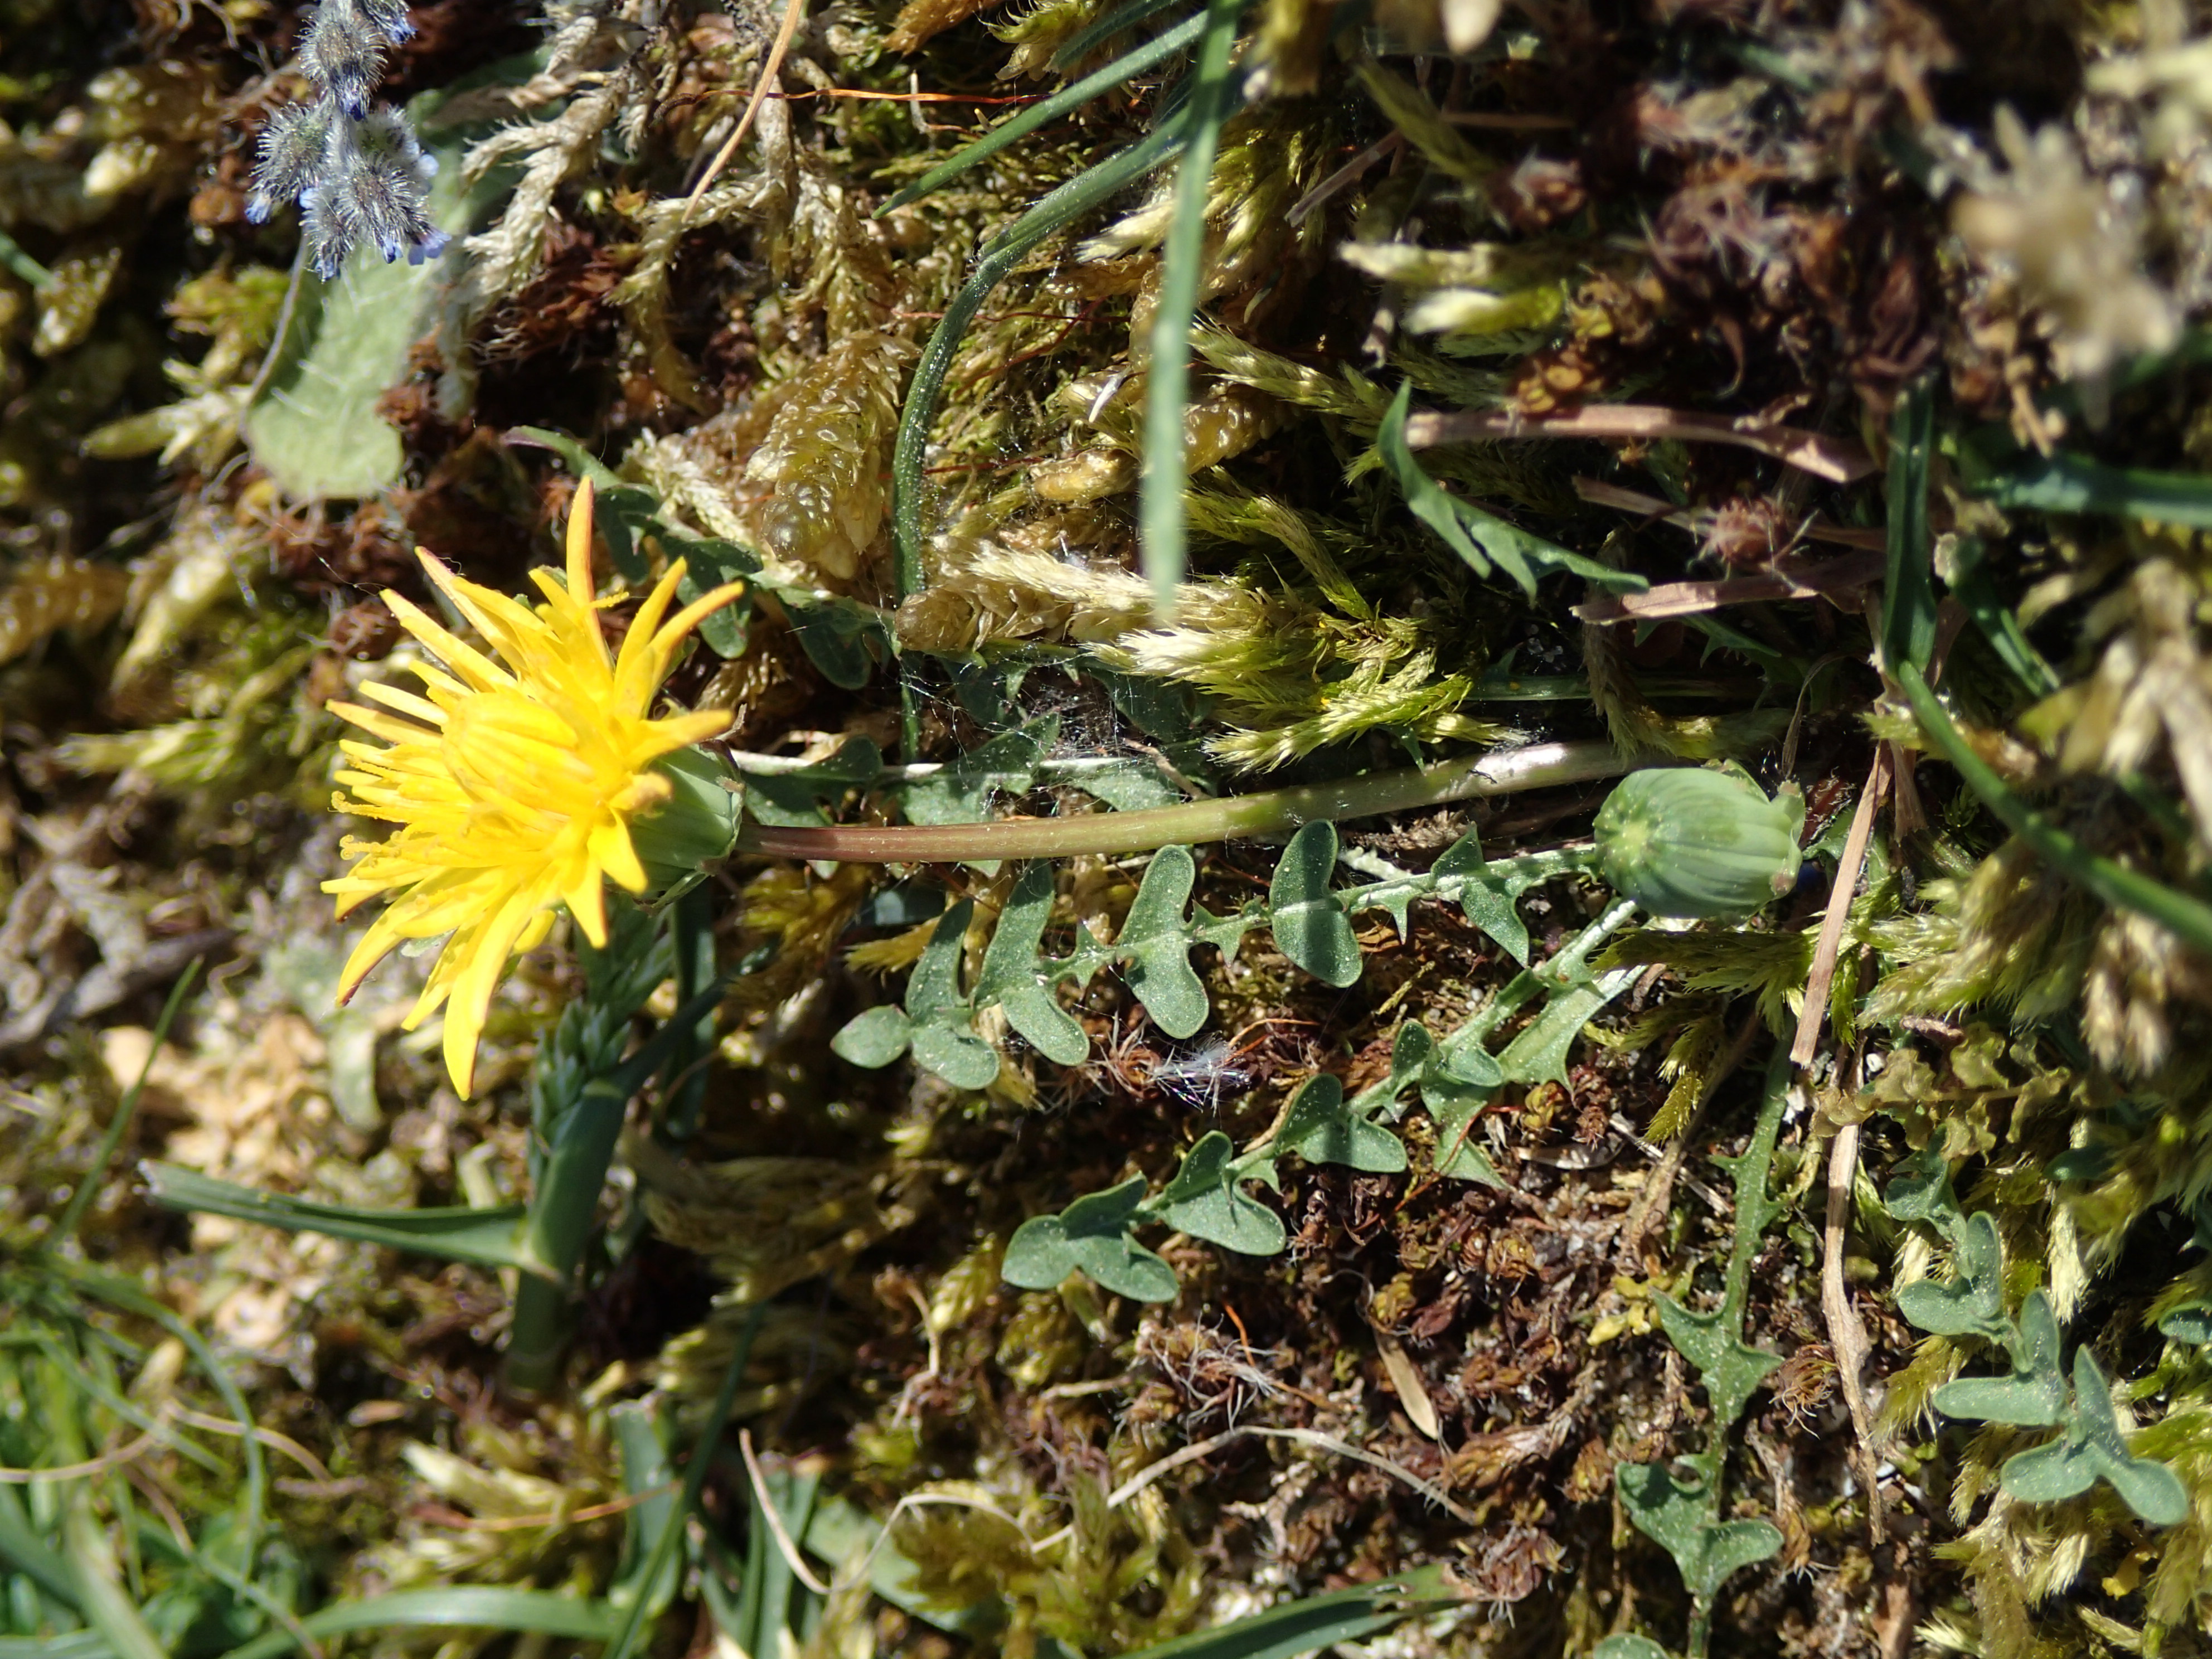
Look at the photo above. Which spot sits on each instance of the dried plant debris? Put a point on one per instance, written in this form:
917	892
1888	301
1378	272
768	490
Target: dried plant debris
1149	1073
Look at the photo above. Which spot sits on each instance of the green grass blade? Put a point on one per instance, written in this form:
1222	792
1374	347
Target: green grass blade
1908	623
77	1644
106	1605
1162	533
1482	539
2188	918
1126	67
13	257
121	1293
1998	622
21	1547
125	1109
1078	197
467	1607
1121	18
491	1238
99	1393
1317	1622
565	1206
2068	483
632	1625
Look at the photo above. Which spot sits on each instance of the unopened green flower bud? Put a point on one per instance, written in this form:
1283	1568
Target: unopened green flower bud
1689	841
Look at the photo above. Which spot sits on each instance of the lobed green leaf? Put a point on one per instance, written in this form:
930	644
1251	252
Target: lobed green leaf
1091	1237
1153	940
1321	1127
1204	1200
1311	925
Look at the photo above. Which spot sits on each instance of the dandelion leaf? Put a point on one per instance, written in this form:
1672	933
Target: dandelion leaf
1539	1054
1487	900
1091	1237
1456	1107
1730	1368
1204	1200
1673	1514
1321	1128
1154	941
1311	925
793	798
962	793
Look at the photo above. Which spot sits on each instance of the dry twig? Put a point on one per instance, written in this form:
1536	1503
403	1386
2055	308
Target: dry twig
793	11
1788	579
1837	459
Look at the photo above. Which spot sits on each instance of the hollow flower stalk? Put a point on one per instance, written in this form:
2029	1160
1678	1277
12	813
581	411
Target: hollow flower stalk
518	779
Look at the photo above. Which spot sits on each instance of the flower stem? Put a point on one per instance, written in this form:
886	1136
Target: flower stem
1272	812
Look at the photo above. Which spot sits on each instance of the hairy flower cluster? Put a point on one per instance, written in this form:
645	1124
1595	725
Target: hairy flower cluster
357	173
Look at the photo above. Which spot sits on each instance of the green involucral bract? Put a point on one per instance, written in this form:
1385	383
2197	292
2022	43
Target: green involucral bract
695	826
1692	842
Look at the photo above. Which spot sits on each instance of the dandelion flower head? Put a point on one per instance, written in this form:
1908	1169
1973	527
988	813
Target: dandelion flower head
514	778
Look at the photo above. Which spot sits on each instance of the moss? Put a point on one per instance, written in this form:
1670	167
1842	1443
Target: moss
1716	213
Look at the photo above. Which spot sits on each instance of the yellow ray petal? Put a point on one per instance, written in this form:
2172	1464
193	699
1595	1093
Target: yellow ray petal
487	951
406	702
478	670
613	851
578	546
700	609
375	945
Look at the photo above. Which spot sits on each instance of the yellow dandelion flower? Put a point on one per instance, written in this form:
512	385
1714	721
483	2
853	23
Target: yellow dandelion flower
514	782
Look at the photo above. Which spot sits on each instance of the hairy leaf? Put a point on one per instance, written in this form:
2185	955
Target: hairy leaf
1014	978
1205	1201
1921	1191
1091	1237
1153	939
936	1024
2034	1396
1676	1515
1973	1304
874	1038
1310	926
2052	1473
1320	1128
2153	1491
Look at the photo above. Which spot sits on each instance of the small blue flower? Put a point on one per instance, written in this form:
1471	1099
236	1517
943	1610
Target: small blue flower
357	173
345	60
